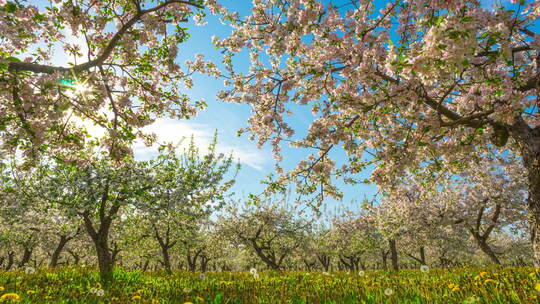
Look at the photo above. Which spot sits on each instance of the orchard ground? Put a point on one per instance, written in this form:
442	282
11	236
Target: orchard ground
455	285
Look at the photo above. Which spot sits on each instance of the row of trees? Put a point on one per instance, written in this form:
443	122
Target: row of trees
62	200
173	212
262	237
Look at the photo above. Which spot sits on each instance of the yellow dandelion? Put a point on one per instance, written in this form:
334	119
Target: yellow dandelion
537	286
10	296
154	301
455	288
483	274
489	281
451	285
477	277
188	302
136	297
29	292
140	291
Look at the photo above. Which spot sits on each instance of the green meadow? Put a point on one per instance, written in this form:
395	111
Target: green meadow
459	285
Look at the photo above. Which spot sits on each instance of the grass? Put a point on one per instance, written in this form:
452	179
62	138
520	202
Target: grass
458	285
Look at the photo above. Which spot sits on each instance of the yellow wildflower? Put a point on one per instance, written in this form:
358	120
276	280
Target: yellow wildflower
483	274
477	277
1	288
154	301
455	288
451	285
537	286
29	292
489	281
140	291
199	299
136	297
532	274
9	296
114	299
188	303
98	285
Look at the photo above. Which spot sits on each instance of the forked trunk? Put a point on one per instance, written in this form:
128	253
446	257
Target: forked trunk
100	238
393	254
486	249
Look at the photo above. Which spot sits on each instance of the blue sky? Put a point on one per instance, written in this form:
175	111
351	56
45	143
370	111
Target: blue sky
228	118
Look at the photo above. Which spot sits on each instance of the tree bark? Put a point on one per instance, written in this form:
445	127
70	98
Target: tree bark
384	256
393	254
204	262
422	259
528	140
59	248
486	249
324	260
423	255
192	259
105	261
27	254
11	260
165	244
100	238
76	257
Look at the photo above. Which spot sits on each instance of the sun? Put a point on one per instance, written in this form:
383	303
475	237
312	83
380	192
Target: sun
81	88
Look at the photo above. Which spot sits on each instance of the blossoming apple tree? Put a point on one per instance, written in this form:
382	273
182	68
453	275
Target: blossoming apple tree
186	189
418	82
108	63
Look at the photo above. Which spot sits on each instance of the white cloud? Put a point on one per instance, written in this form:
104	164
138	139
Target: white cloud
169	130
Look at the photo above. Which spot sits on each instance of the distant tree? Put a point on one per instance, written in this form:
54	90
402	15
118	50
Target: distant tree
273	232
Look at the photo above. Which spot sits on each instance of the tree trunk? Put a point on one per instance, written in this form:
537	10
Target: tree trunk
11	260
105	261
393	254
533	169
145	265
528	140
114	253
192	259
268	259
27	254
76	257
204	262
100	239
384	256
166	258
486	249
59	248
423	255
324	260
